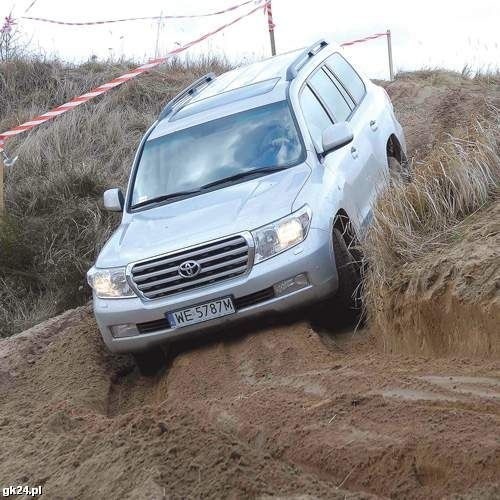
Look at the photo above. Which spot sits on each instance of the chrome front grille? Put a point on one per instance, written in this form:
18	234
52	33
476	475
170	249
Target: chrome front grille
219	260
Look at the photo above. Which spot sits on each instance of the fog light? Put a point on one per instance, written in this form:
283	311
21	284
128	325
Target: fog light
291	285
121	331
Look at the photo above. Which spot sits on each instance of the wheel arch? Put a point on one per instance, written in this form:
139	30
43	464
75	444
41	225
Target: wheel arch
394	149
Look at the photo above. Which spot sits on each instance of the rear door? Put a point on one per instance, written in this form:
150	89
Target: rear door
366	119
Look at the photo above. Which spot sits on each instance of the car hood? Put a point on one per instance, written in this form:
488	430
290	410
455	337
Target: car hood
233	209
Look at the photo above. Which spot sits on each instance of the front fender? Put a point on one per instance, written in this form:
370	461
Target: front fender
324	192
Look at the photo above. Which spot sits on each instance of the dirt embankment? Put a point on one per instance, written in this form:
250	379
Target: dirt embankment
445	301
279	411
449	300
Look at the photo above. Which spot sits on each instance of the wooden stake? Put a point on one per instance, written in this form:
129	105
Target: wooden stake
389	52
158	35
5	161
273	43
270	23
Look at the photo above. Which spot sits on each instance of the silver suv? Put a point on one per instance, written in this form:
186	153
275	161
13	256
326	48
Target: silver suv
246	196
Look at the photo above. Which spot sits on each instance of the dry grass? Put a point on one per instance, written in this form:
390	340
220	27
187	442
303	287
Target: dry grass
456	180
55	224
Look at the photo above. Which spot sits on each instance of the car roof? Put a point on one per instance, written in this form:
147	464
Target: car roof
248	81
268	69
252	85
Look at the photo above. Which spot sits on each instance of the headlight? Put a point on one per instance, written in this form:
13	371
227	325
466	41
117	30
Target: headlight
109	283
281	235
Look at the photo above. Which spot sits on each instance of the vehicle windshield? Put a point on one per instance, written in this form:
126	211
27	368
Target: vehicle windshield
185	161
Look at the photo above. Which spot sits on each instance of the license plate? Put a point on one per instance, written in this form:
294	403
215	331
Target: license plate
201	313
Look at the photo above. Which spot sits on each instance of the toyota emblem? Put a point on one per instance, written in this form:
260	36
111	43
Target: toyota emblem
189	269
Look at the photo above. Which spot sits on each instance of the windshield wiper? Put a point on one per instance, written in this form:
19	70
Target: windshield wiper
165	197
242	175
235	177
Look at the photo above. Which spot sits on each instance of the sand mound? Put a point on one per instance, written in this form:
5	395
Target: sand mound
279	411
434	276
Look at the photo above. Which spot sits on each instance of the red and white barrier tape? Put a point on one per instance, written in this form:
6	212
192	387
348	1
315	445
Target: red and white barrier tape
269	10
149	18
360	40
102	89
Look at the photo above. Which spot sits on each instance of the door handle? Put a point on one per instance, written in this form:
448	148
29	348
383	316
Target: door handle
373	125
354	152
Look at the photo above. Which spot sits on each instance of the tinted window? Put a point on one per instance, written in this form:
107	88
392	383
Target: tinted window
346	74
316	117
330	95
192	157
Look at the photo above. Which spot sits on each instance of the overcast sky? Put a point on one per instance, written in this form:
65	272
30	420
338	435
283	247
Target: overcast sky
426	33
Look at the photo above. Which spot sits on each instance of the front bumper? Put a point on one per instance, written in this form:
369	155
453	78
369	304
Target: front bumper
312	257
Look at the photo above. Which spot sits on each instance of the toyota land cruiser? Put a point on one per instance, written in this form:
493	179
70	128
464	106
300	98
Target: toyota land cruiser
246	197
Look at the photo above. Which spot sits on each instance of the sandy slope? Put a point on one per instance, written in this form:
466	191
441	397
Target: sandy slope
433	104
280	411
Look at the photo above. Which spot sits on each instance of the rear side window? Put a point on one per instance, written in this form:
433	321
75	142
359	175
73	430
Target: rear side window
316	117
347	76
341	88
330	95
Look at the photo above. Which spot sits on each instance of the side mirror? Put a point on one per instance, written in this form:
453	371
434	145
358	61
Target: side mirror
114	200
336	136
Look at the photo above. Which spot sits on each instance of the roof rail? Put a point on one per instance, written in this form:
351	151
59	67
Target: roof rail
298	63
187	92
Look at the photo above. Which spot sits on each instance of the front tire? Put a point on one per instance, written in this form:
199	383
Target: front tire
343	308
349	277
150	362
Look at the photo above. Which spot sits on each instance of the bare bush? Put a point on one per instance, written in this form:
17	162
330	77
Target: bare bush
11	42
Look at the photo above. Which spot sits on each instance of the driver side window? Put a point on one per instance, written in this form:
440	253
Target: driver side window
315	115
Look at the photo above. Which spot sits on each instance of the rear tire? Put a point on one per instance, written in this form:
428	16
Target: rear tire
150	362
399	172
